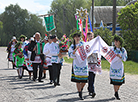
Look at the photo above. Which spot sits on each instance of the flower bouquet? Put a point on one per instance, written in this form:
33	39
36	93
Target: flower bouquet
64	44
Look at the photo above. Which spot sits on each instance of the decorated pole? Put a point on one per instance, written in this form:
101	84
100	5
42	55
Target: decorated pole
81	15
92	15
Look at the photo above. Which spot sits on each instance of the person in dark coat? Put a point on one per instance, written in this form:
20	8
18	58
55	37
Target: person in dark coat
37	56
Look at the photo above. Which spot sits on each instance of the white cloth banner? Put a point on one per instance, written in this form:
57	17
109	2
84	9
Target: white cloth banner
97	45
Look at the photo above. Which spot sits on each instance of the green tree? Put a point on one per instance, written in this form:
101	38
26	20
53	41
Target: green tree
105	34
17	21
128	20
64	14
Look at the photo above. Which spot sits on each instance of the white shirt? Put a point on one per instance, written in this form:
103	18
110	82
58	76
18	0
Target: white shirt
46	50
54	50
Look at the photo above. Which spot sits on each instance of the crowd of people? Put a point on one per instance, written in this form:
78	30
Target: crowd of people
44	55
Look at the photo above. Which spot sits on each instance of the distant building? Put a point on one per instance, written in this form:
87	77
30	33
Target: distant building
104	13
131	2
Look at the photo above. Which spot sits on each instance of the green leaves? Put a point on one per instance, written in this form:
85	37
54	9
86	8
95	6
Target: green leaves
128	20
106	34
17	21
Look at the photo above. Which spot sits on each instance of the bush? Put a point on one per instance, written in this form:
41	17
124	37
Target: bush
105	34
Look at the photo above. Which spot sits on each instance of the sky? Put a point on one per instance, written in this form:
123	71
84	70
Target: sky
39	7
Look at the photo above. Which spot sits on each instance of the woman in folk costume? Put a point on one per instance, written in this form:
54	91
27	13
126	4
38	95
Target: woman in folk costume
117	77
79	70
27	55
46	52
22	38
10	49
45	41
19	58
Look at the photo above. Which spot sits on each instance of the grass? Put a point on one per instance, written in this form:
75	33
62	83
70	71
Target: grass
130	67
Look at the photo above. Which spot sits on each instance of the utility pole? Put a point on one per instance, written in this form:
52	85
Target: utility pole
114	17
92	15
63	20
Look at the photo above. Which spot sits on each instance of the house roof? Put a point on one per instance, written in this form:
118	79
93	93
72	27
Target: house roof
131	2
104	13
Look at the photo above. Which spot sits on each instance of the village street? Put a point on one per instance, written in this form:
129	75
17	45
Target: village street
13	89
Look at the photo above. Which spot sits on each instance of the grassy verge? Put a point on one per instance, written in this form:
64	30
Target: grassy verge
129	66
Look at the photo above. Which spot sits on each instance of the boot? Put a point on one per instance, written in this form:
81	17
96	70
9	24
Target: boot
80	95
117	96
13	66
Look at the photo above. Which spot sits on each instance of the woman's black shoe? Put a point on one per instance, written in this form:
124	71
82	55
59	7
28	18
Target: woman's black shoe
116	95
93	94
80	95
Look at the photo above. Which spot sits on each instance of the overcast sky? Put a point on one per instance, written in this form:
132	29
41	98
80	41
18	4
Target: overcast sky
33	6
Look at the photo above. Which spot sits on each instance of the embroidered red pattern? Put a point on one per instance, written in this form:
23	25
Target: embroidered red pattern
82	53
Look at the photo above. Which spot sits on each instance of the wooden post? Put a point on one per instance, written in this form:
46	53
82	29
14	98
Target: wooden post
92	15
114	17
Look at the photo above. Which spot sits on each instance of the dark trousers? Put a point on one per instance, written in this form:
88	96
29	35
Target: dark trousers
56	72
50	72
91	79
35	66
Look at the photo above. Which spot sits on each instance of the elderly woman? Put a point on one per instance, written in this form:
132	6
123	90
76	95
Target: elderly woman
37	56
117	77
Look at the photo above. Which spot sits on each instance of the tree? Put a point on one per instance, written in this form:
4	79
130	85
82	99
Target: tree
128	20
105	34
17	21
64	11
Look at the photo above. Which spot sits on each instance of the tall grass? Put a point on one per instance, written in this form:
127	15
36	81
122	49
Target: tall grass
130	67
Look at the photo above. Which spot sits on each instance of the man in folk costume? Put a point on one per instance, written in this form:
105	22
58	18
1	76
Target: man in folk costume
48	56
10	49
55	60
93	66
37	56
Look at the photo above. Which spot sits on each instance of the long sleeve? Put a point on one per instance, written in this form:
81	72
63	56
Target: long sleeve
124	54
70	52
46	49
54	49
